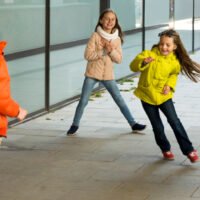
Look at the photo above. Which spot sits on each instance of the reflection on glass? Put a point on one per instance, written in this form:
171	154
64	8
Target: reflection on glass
132	45
23	27
129	13
156	12
22	24
71	20
183	21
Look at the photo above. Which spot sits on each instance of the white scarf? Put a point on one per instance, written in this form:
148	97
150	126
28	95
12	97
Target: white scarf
108	36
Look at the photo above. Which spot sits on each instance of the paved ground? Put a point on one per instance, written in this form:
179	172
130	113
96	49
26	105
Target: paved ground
104	160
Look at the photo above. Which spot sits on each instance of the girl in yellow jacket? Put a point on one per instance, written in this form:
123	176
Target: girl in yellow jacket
8	107
159	69
103	48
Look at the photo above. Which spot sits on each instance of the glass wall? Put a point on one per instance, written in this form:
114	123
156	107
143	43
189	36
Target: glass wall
156	12
151	6
197	24
183	21
71	20
132	46
27	26
23	27
126	10
126	13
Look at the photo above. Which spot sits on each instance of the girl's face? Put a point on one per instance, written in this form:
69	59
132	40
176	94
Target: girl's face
166	45
108	22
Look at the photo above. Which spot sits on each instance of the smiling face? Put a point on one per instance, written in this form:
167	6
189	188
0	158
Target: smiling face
108	22
166	45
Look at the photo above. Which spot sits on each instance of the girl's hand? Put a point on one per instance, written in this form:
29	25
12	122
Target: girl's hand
166	90
103	42
147	60
22	114
109	47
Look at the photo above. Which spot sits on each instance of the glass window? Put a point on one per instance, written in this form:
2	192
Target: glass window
71	20
28	81
128	12
23	27
22	24
197	25
183	9
156	12
153	18
131	47
183	21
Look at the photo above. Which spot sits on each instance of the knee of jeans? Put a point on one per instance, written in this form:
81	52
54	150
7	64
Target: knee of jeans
83	102
158	129
119	99
174	122
122	104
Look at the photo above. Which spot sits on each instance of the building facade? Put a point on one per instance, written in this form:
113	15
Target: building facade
46	41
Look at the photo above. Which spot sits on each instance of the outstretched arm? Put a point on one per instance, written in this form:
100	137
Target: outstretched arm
141	61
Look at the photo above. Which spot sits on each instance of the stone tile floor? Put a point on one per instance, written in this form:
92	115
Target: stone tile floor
104	160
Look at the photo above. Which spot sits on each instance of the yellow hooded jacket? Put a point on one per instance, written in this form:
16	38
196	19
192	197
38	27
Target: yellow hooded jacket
154	76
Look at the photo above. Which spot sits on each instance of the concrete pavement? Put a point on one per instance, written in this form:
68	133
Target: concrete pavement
104	160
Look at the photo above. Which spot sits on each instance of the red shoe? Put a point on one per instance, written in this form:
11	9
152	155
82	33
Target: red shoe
193	156
168	155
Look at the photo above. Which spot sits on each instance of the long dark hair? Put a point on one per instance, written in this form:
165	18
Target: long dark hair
117	26
188	67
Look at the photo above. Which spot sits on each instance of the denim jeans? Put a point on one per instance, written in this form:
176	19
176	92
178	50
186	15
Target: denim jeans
168	109
112	88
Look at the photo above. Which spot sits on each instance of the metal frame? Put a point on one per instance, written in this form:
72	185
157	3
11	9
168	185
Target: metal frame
193	27
47	55
171	12
104	4
143	24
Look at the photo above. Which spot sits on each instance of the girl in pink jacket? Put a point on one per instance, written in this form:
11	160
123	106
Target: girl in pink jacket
8	107
103	49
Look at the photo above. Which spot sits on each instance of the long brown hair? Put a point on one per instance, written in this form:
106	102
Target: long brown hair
117	26
188	67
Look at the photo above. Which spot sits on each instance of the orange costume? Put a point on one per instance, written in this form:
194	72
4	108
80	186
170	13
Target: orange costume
8	107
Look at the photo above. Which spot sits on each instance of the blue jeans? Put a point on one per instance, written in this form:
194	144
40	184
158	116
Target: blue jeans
168	109
112	88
